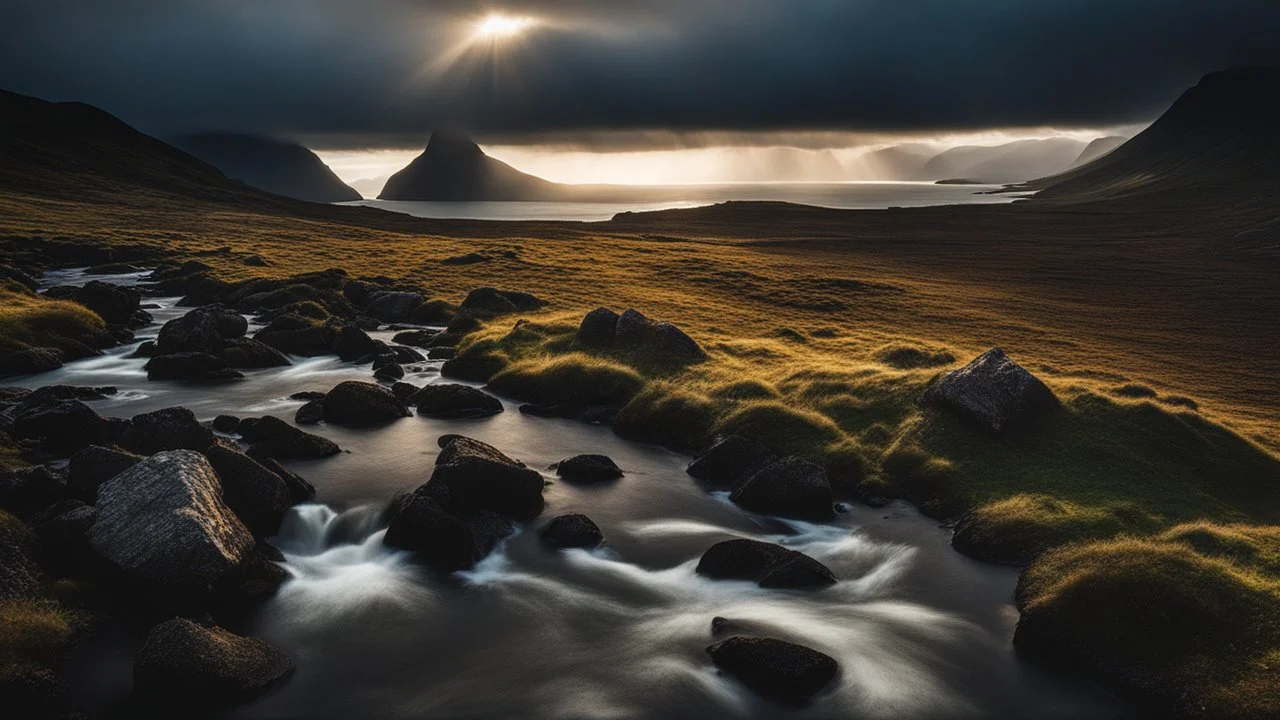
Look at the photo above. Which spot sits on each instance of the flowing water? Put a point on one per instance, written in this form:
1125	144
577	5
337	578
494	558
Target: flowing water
618	632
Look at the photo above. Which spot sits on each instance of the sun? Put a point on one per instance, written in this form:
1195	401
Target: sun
496	26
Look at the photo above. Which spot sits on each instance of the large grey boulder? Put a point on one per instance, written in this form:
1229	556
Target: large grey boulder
774	668
766	564
993	391
205	666
790	487
163	520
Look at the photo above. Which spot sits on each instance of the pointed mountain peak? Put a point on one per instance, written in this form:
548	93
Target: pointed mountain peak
451	141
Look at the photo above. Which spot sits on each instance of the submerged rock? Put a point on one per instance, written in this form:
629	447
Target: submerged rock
451	400
205	666
766	564
588	469
272	437
361	403
163	520
992	391
571	531
730	460
773	668
790	487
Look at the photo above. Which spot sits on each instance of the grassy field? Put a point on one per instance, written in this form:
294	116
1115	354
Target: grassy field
1157	330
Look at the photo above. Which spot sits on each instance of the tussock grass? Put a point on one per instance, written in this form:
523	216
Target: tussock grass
29	320
573	378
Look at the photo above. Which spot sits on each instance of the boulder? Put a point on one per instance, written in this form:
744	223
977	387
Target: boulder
479	477
361	403
63	529
229	424
61	426
204	667
573	530
27	491
790	487
30	360
478	369
487	301
774	668
93	466
766	564
307	341
441	353
588	469
251	354
115	304
451	400
444	541
730	460
657	342
416	338
391	306
272	437
164	521
259	497
403	391
992	391
388	372
174	428
597	329
310	413
190	366
404	355
300	490
205	329
352	344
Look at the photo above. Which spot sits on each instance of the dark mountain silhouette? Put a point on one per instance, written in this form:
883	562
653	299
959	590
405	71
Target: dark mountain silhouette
455	168
1099	147
1217	142
1007	162
279	167
77	151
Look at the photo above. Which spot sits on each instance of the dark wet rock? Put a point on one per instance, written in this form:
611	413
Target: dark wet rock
164	521
405	355
190	366
352	344
174	428
573	530
992	391
441	353
473	369
730	460
652	341
270	436
766	564
450	400
389	372
258	496
307	395
361	403
205	667
419	522
403	391
67	392
597	329
790	487
479	477
433	312
252	354
310	413
61	426
488	302
391	306
145	349
229	424
300	490
115	304
205	329
416	338
30	361
63	529
308	341
27	491
93	466
358	291
775	668
588	469
19	566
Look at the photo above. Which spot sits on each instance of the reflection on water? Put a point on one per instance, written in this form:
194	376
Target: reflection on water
615	632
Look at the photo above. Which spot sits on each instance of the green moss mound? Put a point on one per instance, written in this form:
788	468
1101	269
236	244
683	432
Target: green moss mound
574	378
28	320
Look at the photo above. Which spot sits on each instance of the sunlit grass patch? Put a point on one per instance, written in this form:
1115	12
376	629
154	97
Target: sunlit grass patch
575	377
29	320
904	356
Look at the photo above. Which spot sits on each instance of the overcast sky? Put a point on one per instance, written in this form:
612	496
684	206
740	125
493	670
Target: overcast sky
370	73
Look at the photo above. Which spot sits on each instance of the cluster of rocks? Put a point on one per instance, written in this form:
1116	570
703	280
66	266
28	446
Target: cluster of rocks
762	482
636	337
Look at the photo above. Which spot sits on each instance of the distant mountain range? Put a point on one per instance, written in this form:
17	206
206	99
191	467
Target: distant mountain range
277	166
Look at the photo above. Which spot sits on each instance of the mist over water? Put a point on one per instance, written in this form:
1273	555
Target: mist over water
616	632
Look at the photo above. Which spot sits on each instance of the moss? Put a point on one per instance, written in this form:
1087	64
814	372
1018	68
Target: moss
744	390
34	632
575	378
28	320
1197	633
1019	528
787	429
666	415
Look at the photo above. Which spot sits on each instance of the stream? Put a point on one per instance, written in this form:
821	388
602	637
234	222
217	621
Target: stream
919	630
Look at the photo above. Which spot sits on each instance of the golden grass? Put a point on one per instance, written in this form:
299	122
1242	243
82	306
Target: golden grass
28	320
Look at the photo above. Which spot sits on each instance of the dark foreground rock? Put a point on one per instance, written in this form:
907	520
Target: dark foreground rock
360	403
766	564
479	477
447	542
588	469
451	400
790	487
992	391
27	491
730	460
634	335
571	531
93	466
190	366
259	497
205	666
174	428
60	426
776	669
30	361
164	521
272	437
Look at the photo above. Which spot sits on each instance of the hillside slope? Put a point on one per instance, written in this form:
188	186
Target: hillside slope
279	167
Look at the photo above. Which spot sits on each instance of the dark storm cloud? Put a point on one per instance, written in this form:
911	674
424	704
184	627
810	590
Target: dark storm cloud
363	72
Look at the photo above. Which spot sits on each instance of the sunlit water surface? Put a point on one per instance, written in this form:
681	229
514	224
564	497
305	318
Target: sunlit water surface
619	632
